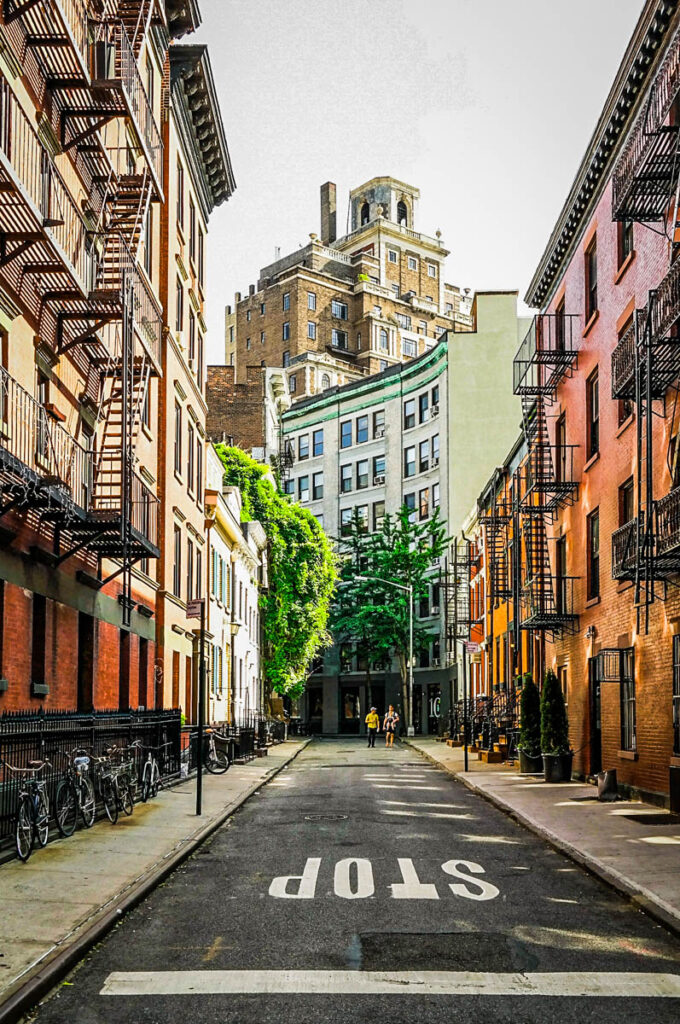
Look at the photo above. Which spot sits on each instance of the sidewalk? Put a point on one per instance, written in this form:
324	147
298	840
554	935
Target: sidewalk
67	895
629	844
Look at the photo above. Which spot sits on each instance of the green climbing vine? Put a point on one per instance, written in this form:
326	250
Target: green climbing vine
301	569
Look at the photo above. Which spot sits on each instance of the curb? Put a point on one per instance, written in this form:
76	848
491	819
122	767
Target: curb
641	898
28	991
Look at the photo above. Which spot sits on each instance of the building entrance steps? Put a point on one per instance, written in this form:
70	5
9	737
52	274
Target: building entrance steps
633	846
55	907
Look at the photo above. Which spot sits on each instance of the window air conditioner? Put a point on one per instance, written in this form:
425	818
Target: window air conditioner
379	480
434	610
435	461
435	411
436	561
436	662
379	432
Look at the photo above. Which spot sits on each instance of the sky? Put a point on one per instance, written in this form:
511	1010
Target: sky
486	107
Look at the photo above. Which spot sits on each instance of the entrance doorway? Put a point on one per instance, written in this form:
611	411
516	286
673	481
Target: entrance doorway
85	662
315	708
594	687
350	709
434	701
417	709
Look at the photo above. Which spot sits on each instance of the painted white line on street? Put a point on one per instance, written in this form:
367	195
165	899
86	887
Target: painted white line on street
382	785
415	804
418	983
426	814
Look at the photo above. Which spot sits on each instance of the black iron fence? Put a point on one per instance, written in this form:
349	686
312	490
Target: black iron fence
27	736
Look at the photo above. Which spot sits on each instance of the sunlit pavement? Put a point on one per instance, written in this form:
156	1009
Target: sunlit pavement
370	885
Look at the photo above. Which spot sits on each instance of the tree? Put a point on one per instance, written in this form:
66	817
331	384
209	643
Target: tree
355	617
402	551
554	724
301	570
530	733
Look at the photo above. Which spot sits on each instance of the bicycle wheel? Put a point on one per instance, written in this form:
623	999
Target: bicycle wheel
109	798
23	830
146	781
217	762
66	807
88	802
156	782
41	825
127	800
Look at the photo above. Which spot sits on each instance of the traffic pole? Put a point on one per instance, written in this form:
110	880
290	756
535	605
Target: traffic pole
201	711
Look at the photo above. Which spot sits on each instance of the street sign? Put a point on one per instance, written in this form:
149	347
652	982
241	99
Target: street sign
471	646
194	608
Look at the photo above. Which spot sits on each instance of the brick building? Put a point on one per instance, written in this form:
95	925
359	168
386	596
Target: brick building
248	413
84	142
342	308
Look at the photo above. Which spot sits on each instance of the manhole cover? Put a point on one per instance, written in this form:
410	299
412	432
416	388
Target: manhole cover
325	817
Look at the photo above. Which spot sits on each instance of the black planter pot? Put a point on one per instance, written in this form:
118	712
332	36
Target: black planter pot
557	767
529	765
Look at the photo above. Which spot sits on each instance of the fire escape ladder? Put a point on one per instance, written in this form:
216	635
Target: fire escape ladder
129	207
136	17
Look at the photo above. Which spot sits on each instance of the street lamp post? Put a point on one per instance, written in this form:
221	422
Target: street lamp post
408	588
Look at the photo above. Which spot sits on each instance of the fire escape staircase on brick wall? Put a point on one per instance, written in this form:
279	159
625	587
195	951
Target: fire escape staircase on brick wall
454	582
495	523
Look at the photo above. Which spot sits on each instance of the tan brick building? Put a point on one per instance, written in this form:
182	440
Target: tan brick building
342	308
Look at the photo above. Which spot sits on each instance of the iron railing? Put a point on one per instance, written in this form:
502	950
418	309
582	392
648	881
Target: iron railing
36	440
53	24
107	498
547	604
547	353
625	542
665	307
117	270
668	522
26	162
623	365
27	735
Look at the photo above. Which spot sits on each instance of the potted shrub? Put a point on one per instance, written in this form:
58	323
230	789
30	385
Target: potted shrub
557	756
529	745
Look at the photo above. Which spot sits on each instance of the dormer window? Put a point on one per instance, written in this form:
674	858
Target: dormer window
365	213
402	213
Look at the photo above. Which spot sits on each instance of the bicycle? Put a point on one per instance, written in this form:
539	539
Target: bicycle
75	793
219	754
33	812
151	775
104	779
123	773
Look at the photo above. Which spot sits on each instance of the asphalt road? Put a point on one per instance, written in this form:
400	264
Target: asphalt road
366	885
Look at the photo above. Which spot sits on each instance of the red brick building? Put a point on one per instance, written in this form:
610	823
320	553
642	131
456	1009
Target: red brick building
599	382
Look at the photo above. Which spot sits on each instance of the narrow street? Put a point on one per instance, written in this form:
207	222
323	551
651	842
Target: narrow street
348	875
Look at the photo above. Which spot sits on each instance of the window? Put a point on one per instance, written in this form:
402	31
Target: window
317	486
422	327
339	338
626	493
286	301
263	337
448	307
319	519
201	256
410	502
412	263
263	308
177	563
424	503
593	554
346	434
625	239
311	300
379	423
382	365
628	730
339	309
409	413
424	606
592	415
199	471
179	305
423	408
38	639
392	255
561	575
402	213
435	395
561	450
345	479
362	429
289	487
192	230
404	321
362	518
358	341
410	461
248	344
190	458
378	467
286	359
676	696
365	213
423	456
591	279
362	474
190	570
180	194
345	522
435	496
379	515
285	331
148	242
325	382
317	442
303	488
178	438
408	347
311	330
303	446
192	339
383	340
435	449
432	270
292	383
248	316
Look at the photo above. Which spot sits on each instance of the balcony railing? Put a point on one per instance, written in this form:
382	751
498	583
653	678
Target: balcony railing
547	604
665	308
59	28
26	163
118	269
547	353
107	505
623	365
31	439
668	523
114	65
625	542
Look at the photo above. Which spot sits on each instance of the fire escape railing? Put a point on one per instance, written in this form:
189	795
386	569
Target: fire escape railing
495	524
52	25
645	173
547	354
623	365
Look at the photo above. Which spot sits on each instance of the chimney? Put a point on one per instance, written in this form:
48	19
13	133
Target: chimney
328	213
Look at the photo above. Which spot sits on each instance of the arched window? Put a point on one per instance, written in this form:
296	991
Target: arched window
383	340
402	213
365	213
325	382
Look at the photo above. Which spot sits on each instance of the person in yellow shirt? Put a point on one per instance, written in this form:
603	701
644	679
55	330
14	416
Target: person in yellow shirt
373	723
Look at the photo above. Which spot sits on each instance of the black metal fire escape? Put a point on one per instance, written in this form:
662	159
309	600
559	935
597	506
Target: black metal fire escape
454	582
